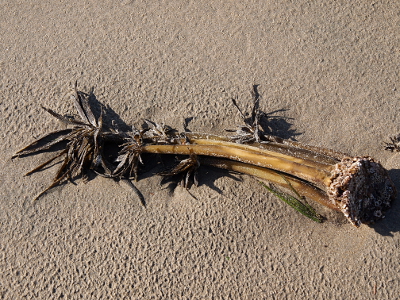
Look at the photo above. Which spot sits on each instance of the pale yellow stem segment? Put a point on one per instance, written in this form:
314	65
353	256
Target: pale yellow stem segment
302	161
272	161
313	153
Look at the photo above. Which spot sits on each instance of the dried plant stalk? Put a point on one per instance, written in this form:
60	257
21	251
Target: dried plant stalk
303	188
359	187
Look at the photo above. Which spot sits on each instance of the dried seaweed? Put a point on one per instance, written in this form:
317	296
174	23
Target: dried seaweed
357	186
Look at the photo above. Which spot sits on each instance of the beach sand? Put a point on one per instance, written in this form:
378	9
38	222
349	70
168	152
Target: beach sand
328	69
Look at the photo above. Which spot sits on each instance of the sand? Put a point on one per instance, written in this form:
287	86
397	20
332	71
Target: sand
330	71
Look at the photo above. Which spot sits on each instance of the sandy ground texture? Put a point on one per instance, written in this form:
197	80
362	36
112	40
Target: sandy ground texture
330	71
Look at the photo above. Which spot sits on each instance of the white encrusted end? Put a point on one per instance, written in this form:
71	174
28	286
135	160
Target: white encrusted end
362	189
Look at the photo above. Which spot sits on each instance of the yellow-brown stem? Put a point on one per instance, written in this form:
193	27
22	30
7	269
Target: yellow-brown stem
229	150
303	188
291	148
303	161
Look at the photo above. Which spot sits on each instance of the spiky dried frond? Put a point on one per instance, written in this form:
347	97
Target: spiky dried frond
83	149
394	144
251	131
188	169
129	156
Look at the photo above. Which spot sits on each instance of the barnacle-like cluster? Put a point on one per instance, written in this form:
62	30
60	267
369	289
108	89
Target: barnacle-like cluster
359	187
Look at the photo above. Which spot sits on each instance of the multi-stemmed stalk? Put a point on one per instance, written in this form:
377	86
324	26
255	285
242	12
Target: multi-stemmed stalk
359	187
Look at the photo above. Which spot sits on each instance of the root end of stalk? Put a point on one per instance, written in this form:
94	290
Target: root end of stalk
362	189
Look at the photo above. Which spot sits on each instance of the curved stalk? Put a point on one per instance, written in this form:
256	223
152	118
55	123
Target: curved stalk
294	156
288	182
316	176
358	186
291	148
